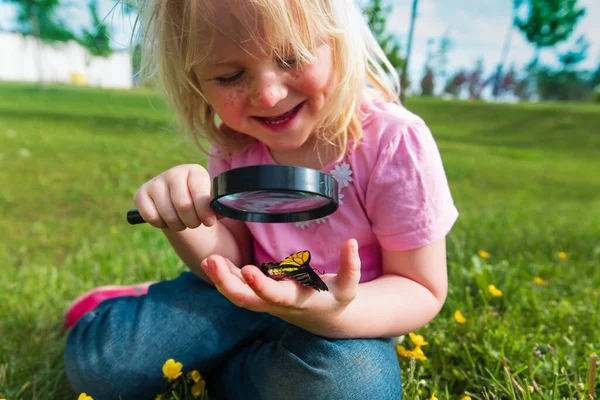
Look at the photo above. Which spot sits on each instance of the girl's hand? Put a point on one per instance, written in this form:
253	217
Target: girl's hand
177	199
317	312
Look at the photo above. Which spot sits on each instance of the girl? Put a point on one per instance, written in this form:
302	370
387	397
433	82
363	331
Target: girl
296	82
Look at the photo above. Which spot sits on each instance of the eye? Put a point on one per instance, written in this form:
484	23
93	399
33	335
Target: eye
288	62
230	79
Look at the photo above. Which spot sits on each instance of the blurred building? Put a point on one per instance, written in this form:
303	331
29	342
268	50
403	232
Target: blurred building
24	58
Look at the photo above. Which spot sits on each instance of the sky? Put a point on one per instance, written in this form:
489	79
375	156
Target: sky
477	31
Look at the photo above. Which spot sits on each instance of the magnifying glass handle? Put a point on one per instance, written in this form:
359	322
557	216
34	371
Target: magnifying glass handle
134	217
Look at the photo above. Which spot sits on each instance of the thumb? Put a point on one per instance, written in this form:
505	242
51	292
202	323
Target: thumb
349	273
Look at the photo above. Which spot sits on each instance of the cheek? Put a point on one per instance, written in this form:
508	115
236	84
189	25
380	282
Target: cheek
312	81
227	103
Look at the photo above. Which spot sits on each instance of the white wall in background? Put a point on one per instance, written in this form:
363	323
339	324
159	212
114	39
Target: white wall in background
61	63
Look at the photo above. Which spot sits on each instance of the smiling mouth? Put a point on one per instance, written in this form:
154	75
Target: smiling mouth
283	118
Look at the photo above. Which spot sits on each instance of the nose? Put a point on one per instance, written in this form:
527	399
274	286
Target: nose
268	89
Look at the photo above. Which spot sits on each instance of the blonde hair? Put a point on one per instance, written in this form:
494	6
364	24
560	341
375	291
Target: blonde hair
169	31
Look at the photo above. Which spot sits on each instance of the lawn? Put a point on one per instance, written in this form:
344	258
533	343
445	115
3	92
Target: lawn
524	177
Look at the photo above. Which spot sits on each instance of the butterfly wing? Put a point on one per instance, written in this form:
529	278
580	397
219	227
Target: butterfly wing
297	259
306	276
297	267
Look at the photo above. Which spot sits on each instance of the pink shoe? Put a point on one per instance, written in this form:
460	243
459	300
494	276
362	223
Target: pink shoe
90	300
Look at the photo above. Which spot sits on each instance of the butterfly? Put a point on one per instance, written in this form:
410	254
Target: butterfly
296	267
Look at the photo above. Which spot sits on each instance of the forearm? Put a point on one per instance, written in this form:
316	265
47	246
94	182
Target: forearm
388	306
194	245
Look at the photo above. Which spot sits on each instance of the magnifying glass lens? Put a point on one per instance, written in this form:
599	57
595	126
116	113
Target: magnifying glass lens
271	202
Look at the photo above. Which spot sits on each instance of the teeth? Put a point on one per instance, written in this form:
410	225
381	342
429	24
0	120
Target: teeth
280	119
277	122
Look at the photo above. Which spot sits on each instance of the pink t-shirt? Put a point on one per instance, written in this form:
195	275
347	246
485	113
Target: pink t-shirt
393	195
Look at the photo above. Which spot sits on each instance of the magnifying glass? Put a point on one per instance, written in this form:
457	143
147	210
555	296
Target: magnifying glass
270	193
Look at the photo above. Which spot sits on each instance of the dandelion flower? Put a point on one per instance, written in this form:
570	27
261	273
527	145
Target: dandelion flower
198	388
158	397
418	340
540	281
562	255
459	317
433	396
530	388
84	396
172	369
466	398
195	376
484	254
494	291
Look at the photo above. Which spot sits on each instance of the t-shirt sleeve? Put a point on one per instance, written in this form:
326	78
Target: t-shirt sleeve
408	198
217	165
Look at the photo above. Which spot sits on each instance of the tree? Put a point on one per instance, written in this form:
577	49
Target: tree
404	76
505	48
96	40
38	19
475	82
549	22
575	55
377	14
435	64
566	84
428	82
440	58
455	84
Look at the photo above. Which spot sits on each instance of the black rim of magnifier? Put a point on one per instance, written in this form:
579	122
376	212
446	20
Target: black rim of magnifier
275	178
270	178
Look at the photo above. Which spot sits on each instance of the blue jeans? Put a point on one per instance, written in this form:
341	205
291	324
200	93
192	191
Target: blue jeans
120	347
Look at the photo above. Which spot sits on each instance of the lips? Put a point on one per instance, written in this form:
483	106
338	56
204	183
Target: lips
283	118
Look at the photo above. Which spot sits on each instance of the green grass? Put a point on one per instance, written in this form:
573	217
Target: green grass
524	177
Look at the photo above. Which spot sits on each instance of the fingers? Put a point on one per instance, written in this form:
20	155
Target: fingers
148	210
198	184
219	271
177	199
348	276
183	203
272	292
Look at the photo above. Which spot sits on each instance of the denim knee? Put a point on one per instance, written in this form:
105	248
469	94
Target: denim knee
106	370
357	369
301	365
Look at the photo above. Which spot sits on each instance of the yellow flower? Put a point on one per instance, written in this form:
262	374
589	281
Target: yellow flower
198	388
195	375
418	340
562	255
158	397
466	398
540	281
484	254
172	369
84	396
459	317
402	352
494	291
530	388
433	396
416	353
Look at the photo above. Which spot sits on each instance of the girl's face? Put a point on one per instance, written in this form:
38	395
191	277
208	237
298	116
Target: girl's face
260	96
